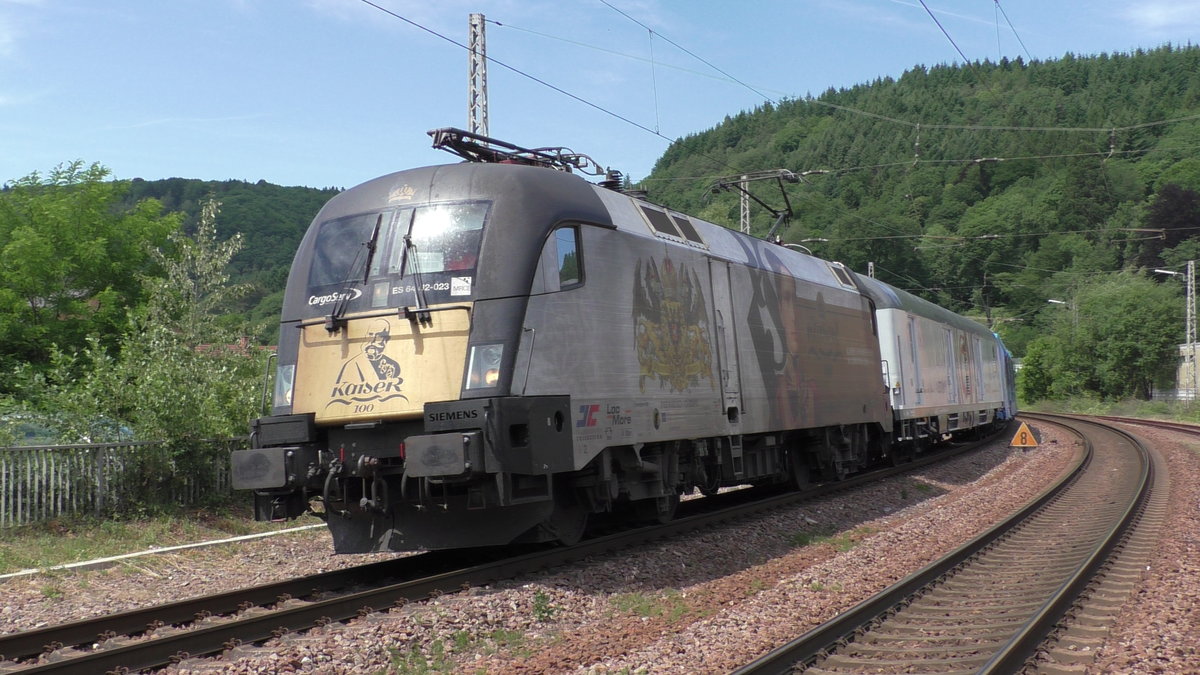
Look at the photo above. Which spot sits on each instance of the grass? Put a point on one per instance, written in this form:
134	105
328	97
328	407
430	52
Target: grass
840	542
68	540
670	604
1179	411
439	657
543	611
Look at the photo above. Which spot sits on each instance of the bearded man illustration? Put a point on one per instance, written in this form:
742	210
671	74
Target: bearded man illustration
372	365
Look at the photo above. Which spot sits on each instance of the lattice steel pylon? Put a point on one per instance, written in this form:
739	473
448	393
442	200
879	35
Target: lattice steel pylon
1191	324
744	221
477	97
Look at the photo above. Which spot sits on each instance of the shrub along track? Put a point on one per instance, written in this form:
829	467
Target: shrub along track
158	636
1000	600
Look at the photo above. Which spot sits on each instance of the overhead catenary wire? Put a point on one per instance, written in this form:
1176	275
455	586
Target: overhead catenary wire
687	51
967	160
540	81
1014	29
520	72
917	125
658	63
952	42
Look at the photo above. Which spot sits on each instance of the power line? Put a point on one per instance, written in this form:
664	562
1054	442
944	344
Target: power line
943	29
624	55
685	50
722	162
1014	30
984	127
521	72
969	160
715	160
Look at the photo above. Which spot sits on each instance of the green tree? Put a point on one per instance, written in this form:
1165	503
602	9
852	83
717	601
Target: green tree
72	259
199	374
181	374
1115	338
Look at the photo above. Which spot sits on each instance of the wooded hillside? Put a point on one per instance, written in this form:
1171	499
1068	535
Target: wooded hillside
271	218
990	188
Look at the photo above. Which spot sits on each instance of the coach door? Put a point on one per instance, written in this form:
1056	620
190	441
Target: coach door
727	365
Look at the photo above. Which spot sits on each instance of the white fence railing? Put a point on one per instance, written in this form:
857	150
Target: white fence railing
1174	395
43	482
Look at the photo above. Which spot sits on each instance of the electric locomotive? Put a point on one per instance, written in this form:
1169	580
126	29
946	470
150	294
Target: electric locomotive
492	351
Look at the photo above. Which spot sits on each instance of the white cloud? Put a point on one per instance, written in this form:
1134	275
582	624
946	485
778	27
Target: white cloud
1160	16
187	121
10	30
8	36
14	99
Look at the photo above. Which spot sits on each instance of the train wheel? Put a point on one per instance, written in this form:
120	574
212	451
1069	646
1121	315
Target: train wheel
659	510
798	471
900	453
711	480
568	521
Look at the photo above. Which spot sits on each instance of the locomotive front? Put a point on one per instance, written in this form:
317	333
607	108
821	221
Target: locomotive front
401	323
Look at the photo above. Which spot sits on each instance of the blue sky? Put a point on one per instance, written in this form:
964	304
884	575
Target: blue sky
335	92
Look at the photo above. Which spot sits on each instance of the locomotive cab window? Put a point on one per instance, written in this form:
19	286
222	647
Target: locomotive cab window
381	259
440	238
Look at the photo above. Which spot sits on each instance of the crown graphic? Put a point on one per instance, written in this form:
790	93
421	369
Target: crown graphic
401	193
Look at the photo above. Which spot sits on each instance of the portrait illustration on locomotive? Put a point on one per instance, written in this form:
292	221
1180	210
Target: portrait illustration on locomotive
371	375
671	331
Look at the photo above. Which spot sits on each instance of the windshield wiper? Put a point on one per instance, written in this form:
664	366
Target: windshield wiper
371	245
334	322
421	311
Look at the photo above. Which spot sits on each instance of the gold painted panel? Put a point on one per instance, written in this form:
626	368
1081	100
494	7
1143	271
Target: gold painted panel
375	367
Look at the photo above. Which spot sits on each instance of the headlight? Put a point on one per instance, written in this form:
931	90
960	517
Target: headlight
483	370
285	377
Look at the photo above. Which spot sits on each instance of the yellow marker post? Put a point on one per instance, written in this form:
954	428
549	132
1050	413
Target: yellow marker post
1024	438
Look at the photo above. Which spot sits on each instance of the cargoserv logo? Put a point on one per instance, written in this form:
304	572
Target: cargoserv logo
322	300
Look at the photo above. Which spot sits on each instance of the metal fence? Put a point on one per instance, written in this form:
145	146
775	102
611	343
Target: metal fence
43	482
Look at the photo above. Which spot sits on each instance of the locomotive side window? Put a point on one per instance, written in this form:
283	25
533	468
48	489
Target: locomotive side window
566	241
560	266
686	227
660	222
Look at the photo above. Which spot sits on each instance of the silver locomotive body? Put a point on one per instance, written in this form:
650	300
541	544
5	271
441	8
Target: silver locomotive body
477	354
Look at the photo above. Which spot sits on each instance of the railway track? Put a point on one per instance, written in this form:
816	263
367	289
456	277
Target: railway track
1039	588
157	636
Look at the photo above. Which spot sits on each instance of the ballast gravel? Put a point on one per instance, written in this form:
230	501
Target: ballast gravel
703	603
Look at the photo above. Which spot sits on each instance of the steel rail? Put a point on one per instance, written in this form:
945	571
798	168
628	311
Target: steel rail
133	622
204	640
1019	647
1013	655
